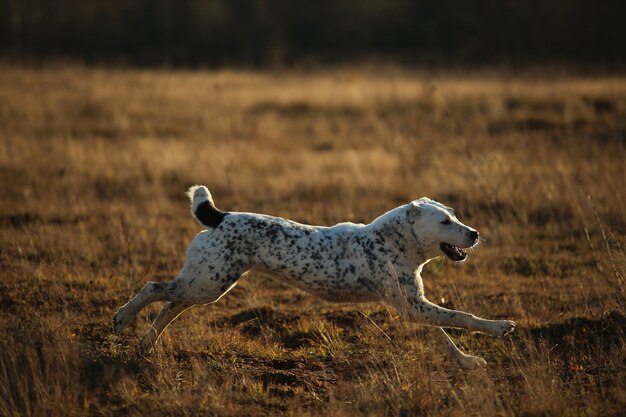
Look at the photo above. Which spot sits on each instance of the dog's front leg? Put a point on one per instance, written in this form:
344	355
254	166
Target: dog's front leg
439	316
410	302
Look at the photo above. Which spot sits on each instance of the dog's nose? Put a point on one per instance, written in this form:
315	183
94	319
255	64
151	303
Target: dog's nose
474	235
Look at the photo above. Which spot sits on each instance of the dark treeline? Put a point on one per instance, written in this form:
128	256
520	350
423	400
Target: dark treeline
283	32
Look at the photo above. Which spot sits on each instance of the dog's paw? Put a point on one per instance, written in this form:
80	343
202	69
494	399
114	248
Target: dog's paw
503	327
470	363
120	320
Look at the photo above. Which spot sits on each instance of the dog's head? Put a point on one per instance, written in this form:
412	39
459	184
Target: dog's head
438	231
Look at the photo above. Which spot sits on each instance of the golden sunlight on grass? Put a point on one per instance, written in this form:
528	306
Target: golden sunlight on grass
94	164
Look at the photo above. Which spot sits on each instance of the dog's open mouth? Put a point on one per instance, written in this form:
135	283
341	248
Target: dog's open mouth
453	252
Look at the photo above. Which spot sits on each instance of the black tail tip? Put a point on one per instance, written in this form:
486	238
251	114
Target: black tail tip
209	215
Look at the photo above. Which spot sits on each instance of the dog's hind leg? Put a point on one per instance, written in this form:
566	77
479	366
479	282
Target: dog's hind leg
150	293
466	361
207	293
168	313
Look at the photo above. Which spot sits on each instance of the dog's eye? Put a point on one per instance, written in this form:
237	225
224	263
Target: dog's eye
446	222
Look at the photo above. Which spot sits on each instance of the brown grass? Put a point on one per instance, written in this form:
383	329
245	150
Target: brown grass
93	168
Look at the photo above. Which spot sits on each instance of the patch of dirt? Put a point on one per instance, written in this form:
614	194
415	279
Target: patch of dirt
345	319
281	375
254	321
579	333
296	340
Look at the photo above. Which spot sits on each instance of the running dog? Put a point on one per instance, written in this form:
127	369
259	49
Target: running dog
347	262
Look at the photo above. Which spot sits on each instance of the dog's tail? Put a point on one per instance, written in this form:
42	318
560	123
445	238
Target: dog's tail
202	207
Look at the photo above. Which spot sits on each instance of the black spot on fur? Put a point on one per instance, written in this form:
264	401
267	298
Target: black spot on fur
209	215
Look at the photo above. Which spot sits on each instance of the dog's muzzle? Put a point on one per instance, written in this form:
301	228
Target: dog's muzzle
456	253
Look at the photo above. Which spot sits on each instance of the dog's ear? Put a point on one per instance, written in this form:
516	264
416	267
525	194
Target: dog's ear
414	212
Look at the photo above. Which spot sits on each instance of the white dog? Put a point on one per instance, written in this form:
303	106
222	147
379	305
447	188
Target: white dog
348	262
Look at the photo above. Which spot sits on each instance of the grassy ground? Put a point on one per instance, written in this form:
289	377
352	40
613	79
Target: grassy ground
93	168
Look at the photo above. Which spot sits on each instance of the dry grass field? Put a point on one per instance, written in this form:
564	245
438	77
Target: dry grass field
93	168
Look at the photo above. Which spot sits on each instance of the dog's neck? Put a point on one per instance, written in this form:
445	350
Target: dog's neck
399	235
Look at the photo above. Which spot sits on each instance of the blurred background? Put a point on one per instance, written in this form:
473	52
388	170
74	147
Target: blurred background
259	33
